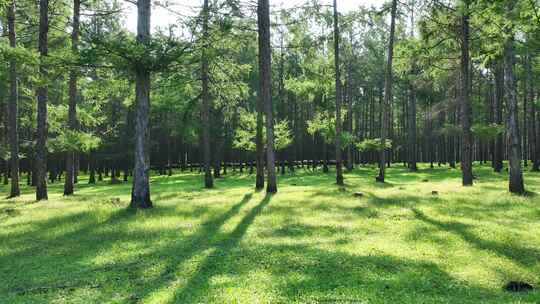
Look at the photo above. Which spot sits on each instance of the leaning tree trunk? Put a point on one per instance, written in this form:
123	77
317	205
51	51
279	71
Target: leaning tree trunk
208	180
72	111
140	193
42	96
467	142
263	20
13	105
387	94
514	145
339	168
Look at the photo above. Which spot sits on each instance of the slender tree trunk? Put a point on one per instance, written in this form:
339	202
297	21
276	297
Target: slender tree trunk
140	193
536	130
42	96
514	151
339	168
92	164
465	103
259	175
208	180
534	134
325	155
412	130
263	20
387	94
497	115
72	111
524	150
350	117
13	105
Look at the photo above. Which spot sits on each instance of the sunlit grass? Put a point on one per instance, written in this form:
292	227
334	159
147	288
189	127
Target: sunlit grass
310	243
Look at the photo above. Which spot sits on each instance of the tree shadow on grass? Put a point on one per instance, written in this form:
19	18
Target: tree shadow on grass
210	267
307	274
87	237
524	256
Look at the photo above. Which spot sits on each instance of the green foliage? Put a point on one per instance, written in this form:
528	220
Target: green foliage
347	139
373	144
74	141
244	138
487	131
245	134
324	124
450	130
282	135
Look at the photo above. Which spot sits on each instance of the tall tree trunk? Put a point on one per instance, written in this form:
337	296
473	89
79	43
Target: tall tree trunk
339	169
524	150
387	94
263	20
13	105
412	129
497	115
514	146
536	130
72	112
259	179
533	138
140	193
350	117
465	103
42	96
208	180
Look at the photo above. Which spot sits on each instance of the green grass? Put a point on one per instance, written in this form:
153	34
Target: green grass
310	243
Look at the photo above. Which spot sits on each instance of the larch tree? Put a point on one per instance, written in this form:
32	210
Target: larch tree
388	80
205	95
140	193
514	144
411	123
13	104
265	90
498	95
42	97
464	95
73	95
337	140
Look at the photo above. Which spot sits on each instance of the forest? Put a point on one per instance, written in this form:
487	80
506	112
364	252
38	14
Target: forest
257	151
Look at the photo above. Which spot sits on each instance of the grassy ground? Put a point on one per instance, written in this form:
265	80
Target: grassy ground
310	243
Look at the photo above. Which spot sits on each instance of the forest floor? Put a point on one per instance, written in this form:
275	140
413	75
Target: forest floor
310	243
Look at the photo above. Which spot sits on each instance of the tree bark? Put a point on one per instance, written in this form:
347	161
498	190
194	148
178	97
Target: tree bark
208	180
259	179
497	115
92	164
466	115
412	129
42	96
387	94
339	167
514	145
72	111
263	20
13	105
140	193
